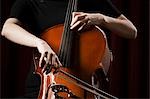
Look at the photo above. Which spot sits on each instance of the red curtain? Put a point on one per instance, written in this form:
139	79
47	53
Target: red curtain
129	74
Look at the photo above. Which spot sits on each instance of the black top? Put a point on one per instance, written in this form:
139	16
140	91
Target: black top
39	15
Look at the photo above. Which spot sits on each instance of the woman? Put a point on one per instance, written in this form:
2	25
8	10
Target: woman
29	18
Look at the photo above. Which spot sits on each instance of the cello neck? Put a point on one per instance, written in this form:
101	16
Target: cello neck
67	37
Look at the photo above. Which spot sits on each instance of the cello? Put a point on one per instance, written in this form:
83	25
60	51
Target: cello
80	57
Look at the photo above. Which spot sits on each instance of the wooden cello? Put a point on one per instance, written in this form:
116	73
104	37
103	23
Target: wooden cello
80	53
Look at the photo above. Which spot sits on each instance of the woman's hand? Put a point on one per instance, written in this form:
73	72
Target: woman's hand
47	54
81	20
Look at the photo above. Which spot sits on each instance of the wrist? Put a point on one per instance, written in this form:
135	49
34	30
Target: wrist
105	20
38	42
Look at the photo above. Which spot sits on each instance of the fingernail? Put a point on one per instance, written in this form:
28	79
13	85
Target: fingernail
71	27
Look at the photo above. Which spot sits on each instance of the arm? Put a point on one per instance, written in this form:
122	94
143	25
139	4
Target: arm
14	32
121	25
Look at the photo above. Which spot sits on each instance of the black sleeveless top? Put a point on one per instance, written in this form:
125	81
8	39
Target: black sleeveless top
39	15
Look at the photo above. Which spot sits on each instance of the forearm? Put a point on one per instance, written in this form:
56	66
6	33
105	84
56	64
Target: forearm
121	26
17	34
14	32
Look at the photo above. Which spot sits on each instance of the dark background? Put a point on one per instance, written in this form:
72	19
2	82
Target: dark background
129	75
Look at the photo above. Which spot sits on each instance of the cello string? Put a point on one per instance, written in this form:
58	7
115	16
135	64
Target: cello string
68	39
70	33
64	36
67	47
64	31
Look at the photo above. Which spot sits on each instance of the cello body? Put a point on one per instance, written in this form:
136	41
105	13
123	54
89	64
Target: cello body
91	48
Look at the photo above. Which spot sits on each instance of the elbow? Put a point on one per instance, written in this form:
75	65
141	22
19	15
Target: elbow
2	33
134	33
7	25
131	32
4	29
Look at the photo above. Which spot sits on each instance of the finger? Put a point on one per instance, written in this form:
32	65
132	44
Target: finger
77	18
58	62
75	25
46	66
47	59
81	27
80	23
47	69
53	59
85	24
50	59
41	58
76	13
